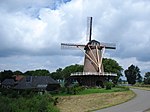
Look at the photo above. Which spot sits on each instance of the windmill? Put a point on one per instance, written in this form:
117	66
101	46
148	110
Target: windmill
94	52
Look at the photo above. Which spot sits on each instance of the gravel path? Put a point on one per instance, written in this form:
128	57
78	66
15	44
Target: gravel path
139	104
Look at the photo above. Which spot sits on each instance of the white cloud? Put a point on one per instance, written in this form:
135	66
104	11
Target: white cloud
24	63
34	28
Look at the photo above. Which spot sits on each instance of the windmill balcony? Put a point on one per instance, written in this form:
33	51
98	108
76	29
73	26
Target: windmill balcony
93	73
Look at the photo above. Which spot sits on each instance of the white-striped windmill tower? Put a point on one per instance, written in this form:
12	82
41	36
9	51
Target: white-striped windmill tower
94	52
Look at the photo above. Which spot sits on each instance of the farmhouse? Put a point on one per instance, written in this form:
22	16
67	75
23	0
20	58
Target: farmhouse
37	83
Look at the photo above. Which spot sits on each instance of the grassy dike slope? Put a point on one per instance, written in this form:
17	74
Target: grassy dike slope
89	102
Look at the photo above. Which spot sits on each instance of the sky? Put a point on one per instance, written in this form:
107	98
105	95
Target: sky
31	32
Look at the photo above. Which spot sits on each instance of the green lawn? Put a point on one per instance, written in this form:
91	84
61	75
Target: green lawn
139	86
101	90
95	90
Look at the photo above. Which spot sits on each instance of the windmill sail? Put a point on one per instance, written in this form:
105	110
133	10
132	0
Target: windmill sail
109	45
71	46
89	28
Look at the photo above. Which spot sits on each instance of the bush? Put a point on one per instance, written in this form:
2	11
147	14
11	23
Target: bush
108	85
63	90
36	103
73	89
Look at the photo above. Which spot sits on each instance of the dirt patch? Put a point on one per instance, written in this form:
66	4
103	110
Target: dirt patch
83	103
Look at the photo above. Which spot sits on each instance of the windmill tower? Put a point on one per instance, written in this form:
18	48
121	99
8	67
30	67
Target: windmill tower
94	52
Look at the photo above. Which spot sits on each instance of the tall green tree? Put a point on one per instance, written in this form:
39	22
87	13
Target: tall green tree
132	74
139	78
147	78
111	66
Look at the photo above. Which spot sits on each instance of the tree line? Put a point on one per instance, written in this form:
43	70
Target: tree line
9	74
110	66
132	73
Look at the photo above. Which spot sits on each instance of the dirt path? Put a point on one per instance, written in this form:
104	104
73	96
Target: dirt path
139	104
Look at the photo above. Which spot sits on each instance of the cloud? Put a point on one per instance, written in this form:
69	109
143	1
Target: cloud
16	5
36	28
25	63
24	34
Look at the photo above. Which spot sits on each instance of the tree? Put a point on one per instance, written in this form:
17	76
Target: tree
132	74
111	66
29	73
6	74
147	78
139	78
40	72
72	69
58	74
18	73
66	72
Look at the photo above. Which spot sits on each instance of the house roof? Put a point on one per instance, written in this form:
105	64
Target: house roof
18	77
31	82
8	82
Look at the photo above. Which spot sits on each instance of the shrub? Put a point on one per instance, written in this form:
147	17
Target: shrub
108	85
63	90
73	89
36	103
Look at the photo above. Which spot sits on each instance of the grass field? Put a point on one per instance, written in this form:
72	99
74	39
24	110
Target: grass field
88	102
143	87
94	90
102	90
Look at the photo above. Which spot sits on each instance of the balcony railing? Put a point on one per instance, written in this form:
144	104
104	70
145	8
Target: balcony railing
93	73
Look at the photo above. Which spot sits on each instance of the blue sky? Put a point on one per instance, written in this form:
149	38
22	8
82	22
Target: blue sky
31	32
